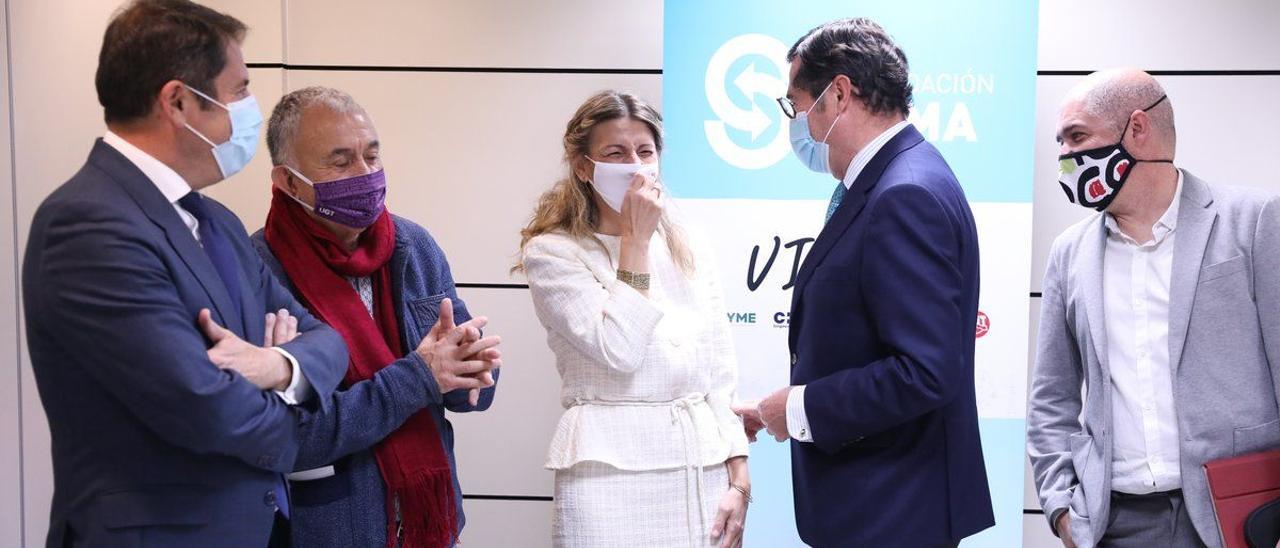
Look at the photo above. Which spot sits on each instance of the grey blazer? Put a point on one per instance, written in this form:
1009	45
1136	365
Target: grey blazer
1224	348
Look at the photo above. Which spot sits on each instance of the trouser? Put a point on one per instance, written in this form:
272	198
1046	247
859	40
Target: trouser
1149	521
279	533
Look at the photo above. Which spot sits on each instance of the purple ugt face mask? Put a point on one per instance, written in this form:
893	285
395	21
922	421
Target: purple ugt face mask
354	201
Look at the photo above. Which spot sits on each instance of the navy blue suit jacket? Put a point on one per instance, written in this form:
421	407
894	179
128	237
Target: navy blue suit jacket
882	333
153	445
349	508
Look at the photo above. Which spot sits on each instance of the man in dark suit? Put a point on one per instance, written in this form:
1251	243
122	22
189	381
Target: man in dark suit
167	430
881	411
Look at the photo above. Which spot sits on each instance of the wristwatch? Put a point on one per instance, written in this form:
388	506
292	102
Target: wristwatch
638	280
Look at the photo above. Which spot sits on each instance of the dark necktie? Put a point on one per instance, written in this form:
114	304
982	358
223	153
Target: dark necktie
218	248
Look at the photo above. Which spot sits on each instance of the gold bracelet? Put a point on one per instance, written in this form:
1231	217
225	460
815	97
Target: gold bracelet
638	280
746	491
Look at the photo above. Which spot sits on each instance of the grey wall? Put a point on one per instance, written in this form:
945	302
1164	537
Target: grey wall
10	400
467	152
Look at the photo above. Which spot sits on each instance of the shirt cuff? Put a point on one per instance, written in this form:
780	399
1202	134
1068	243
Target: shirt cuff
299	389
797	421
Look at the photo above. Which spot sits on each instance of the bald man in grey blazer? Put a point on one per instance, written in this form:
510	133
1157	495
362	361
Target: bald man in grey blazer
1159	345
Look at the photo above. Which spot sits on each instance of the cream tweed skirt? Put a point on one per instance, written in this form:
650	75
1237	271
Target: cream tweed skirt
599	506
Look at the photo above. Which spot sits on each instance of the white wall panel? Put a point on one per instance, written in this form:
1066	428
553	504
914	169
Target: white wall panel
501	451
53	137
265	41
1226	134
10	402
1159	35
479	33
467	155
1036	533
37	470
1030	500
1034	332
507	524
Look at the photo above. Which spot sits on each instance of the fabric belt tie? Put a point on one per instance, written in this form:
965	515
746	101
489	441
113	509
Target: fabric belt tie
681	409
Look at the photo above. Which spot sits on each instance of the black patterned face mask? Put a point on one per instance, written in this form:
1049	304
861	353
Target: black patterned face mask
1092	178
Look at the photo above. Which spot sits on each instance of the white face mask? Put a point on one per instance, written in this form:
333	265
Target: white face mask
814	154
613	180
246	122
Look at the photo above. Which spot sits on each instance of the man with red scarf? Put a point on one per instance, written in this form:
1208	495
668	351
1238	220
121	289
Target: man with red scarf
377	468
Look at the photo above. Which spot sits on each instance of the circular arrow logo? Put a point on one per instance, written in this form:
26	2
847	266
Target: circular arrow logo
756	86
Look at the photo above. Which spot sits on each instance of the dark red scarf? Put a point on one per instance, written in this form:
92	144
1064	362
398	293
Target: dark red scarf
412	459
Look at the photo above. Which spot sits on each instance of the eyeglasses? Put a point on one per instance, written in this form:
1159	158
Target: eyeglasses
788	107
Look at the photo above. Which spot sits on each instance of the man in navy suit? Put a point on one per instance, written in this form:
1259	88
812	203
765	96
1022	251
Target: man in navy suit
167	430
881	409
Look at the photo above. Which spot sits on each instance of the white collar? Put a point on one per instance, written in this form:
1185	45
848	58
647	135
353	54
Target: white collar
1170	217
864	156
1166	224
171	185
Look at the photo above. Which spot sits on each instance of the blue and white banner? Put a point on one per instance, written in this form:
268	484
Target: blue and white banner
728	159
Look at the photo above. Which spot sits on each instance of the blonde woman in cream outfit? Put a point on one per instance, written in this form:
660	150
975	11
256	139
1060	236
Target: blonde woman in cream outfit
648	452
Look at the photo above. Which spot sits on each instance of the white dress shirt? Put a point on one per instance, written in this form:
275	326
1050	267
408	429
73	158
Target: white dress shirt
797	420
174	187
1135	288
364	288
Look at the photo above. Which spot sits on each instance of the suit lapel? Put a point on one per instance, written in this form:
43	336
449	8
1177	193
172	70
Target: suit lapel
1196	217
161	212
855	200
1092	254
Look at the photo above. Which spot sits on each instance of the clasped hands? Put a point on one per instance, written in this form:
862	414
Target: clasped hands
457	356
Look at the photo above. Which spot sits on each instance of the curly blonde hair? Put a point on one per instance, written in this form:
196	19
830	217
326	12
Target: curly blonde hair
568	206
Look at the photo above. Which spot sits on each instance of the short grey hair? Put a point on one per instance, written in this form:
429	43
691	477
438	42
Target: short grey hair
285	118
1113	100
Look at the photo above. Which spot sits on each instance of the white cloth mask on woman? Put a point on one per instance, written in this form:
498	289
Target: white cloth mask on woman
613	180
